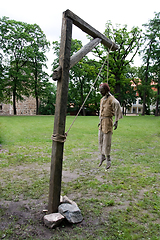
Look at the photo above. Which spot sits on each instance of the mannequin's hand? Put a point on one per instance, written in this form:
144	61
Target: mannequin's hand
115	125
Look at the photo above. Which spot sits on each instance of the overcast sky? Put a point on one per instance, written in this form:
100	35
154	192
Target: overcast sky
48	15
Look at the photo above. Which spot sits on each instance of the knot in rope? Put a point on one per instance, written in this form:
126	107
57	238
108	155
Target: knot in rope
58	137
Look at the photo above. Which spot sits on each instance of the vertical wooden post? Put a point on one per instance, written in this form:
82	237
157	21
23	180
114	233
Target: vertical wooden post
60	116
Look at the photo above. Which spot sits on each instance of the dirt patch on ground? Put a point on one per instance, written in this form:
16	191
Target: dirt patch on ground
67	176
24	219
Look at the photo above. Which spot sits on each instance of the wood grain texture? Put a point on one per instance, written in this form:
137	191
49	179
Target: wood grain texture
77	57
60	116
85	27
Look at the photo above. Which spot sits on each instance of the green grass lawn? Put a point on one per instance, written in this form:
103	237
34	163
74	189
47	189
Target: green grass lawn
121	203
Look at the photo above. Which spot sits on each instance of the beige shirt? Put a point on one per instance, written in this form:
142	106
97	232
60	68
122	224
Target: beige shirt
109	107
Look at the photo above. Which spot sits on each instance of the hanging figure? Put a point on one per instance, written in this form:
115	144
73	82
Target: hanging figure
109	107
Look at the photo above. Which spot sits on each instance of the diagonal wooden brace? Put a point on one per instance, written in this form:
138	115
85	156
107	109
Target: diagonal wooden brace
77	57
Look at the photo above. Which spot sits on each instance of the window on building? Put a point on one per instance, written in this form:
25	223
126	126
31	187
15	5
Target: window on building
0	107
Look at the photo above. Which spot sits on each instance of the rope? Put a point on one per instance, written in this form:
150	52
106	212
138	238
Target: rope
107	67
91	90
108	62
62	138
58	138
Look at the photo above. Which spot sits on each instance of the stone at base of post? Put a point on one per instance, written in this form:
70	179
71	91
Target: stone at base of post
53	219
71	212
68	210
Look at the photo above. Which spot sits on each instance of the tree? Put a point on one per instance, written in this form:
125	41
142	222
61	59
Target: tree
47	102
154	27
151	62
129	43
37	60
144	89
24	47
156	78
13	39
1	78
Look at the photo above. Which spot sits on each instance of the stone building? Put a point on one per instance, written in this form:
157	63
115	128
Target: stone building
25	107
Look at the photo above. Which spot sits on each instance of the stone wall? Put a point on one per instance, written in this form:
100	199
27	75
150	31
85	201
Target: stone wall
25	107
6	109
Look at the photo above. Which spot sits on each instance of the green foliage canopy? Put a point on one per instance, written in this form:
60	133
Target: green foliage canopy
129	43
47	102
24	46
149	73
82	76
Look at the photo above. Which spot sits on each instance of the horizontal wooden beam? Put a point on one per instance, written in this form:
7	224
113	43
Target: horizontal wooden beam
85	27
77	56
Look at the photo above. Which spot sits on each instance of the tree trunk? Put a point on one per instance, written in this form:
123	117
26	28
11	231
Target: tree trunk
144	103
158	97
82	99
37	105
36	86
117	90
146	79
36	94
125	110
14	100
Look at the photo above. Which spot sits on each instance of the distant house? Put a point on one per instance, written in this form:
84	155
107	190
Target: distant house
137	106
25	107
